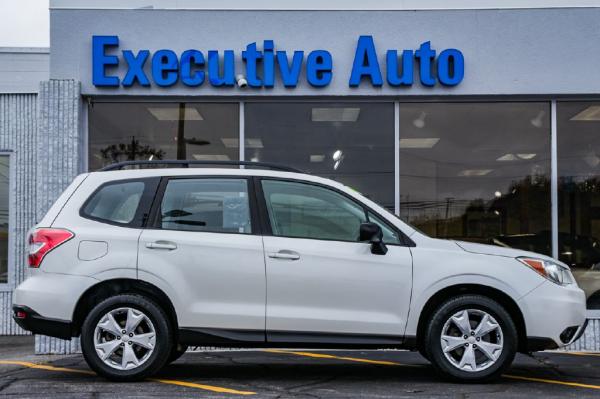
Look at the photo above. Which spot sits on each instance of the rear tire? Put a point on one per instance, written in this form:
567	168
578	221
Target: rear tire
126	338
471	338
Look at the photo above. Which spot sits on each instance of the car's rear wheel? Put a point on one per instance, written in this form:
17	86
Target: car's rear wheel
126	338
471	338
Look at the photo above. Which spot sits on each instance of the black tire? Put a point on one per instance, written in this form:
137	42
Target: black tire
432	340
176	352
163	336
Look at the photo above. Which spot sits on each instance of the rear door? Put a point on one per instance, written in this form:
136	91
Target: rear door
204	249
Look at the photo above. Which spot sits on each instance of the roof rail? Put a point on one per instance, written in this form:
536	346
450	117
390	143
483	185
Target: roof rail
186	164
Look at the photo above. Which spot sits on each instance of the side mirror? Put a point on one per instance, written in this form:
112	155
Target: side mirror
372	233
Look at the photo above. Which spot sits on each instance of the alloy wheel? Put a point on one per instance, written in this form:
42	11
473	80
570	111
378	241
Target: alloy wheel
124	338
472	340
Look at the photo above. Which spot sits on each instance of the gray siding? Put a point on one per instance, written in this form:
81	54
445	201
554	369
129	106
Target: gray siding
22	69
59	161
18	130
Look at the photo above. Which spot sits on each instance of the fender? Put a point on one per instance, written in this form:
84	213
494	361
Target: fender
418	302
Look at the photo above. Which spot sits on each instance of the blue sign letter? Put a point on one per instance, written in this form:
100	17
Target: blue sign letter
100	60
136	68
189	58
451	67
425	55
406	78
164	68
251	56
318	68
365	63
214	74
290	74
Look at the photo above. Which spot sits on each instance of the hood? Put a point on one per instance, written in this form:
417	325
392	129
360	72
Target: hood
495	250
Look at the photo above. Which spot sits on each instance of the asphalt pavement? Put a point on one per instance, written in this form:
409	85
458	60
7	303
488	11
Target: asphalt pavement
293	374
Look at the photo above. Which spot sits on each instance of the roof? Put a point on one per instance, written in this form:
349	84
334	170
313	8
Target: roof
318	4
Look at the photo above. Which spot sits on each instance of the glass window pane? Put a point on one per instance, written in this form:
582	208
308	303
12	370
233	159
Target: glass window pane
116	203
349	142
213	205
477	172
578	125
156	131
308	211
4	198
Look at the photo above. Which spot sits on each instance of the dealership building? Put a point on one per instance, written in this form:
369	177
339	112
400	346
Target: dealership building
475	122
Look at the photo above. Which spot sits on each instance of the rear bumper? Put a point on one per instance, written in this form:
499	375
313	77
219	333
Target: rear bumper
30	320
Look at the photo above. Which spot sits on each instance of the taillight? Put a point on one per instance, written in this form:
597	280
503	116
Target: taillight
42	241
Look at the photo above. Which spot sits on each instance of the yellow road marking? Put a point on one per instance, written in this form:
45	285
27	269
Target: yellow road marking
161	380
387	363
202	386
351	359
557	382
45	367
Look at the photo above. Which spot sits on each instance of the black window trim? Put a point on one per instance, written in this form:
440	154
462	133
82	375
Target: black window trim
144	207
266	222
154	218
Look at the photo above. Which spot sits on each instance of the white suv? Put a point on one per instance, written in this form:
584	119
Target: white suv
141	263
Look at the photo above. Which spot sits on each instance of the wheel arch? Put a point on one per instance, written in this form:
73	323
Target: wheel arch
461	289
108	288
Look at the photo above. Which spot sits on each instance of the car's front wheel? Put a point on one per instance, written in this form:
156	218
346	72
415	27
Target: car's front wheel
126	338
471	338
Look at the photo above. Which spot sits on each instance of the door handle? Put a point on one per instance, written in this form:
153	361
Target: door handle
168	245
285	254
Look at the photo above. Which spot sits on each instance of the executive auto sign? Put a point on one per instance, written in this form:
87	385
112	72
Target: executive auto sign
192	68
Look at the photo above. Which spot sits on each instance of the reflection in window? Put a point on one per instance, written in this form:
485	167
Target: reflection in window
477	172
156	131
308	211
4	198
211	205
578	126
349	142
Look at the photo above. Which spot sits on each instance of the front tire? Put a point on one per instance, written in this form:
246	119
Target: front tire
126	338
471	338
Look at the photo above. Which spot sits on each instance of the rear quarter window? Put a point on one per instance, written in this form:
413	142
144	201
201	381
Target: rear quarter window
122	203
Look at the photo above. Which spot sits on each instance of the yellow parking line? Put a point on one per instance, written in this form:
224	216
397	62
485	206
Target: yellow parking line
387	363
211	388
202	386
45	367
351	359
557	382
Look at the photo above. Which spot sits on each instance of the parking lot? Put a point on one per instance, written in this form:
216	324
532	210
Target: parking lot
292	374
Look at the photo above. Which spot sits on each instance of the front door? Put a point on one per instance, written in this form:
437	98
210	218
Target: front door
321	281
204	251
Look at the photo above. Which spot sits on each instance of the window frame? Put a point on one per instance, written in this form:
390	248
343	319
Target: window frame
405	241
143	210
154	220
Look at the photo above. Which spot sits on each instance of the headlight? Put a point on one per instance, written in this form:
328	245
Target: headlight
553	271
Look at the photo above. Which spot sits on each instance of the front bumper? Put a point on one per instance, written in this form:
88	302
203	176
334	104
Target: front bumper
555	316
30	320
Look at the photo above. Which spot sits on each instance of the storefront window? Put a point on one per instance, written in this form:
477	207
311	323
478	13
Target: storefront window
578	126
349	142
4	198
477	172
155	131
